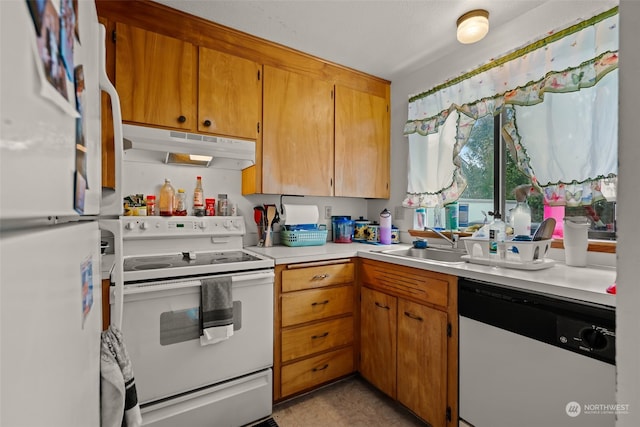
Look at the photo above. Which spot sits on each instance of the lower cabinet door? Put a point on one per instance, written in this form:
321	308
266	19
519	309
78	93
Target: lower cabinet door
422	361
378	340
316	370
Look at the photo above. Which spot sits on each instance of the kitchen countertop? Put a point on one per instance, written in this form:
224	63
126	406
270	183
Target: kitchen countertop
581	283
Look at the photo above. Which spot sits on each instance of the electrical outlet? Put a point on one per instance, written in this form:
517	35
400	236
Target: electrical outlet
398	213
327	212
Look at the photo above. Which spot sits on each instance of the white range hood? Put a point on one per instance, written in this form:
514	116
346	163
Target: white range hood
148	144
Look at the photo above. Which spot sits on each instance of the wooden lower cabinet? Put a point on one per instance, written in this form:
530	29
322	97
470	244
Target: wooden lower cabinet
378	339
314	332
408	338
422	360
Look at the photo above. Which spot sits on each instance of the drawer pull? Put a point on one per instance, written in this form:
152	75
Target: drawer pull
320	303
386	307
315	337
412	316
321	369
320	276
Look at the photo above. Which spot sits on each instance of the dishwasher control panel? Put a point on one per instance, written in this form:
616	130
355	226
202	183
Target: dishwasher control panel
594	339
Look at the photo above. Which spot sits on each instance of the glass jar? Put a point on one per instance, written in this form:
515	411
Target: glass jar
223	205
167	198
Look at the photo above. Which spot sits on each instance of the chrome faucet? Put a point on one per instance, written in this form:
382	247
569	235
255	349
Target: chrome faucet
453	241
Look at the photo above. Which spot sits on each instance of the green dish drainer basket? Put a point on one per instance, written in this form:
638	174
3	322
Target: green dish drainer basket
316	237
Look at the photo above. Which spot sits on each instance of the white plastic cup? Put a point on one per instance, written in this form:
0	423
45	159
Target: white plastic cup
576	242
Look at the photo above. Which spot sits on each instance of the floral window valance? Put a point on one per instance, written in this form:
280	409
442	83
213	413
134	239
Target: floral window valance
547	86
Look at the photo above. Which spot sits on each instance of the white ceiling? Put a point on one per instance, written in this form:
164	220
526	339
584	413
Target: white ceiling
381	37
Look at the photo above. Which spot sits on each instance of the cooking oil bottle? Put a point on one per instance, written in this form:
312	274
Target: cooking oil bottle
198	198
167	198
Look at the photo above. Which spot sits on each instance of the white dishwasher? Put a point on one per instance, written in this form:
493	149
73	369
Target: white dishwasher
532	360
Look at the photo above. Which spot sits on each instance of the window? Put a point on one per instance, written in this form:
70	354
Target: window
543	117
479	158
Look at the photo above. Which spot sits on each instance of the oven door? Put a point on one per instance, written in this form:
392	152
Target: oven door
162	336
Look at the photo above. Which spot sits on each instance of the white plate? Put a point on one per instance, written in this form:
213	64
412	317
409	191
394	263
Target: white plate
540	264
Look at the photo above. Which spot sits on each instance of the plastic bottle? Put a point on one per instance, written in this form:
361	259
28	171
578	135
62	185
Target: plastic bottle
521	219
167	198
181	203
451	216
198	198
497	237
420	219
385	227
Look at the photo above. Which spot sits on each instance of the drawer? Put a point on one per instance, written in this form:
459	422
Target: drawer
316	370
296	279
413	283
315	304
306	340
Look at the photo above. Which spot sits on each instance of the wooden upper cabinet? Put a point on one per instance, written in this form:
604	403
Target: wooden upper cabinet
362	144
229	94
155	78
297	139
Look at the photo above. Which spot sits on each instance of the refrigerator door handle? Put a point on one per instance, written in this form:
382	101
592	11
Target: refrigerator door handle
114	204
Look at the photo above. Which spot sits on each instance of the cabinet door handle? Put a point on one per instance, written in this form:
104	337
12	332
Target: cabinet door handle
412	316
207	123
321	369
182	119
315	337
386	307
320	276
320	303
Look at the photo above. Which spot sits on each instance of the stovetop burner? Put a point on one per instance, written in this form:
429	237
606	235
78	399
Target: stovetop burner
180	260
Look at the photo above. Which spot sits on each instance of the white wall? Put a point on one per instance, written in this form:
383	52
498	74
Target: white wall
146	177
628	297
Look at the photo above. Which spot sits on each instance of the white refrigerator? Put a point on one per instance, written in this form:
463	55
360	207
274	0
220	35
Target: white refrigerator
50	191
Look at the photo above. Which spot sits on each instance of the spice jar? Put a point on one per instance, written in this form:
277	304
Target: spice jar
210	207
181	203
151	205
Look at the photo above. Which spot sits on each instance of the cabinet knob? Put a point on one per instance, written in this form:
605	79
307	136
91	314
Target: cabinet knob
182	119
207	123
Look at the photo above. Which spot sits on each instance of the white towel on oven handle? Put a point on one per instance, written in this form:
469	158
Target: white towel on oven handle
215	335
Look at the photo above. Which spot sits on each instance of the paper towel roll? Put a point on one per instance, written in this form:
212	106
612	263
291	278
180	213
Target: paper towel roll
301	214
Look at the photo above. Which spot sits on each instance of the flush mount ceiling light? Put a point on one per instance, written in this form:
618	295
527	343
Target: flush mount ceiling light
473	26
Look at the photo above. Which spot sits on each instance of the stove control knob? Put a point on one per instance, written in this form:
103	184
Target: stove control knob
202	225
228	224
130	225
237	225
144	225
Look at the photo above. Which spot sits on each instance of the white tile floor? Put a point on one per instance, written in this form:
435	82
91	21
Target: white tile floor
349	403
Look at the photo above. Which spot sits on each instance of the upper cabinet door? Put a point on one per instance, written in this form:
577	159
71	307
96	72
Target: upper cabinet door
155	78
229	94
362	144
298	134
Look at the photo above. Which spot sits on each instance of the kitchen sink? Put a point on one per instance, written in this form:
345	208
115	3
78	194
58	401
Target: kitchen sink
448	255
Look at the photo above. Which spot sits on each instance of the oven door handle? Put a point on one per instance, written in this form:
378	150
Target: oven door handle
173	284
